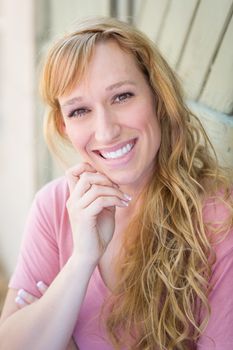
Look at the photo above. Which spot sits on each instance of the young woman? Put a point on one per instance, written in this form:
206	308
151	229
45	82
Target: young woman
133	248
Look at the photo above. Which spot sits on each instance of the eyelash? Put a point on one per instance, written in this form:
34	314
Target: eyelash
79	112
127	95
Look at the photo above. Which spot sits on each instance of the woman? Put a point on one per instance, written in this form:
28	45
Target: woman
133	248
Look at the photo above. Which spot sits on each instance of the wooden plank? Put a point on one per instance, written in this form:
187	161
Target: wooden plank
122	10
176	26
64	14
204	38
218	91
219	128
137	8
42	20
151	16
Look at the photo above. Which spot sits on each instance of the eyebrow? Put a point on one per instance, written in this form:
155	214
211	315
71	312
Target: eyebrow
108	88
72	101
119	84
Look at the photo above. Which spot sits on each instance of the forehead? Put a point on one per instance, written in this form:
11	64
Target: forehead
110	53
108	59
107	65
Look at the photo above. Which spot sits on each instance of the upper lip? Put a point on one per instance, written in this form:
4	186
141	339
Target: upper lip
116	147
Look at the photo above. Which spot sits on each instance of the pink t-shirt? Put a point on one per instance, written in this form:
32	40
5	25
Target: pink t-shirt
47	245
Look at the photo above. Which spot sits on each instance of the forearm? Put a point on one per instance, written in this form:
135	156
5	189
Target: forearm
49	322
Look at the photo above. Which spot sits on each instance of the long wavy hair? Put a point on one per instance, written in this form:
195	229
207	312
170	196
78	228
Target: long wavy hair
165	266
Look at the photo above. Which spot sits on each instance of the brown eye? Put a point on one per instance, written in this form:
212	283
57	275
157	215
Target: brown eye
79	112
122	97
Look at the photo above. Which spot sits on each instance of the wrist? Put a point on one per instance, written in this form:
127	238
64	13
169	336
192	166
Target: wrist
78	260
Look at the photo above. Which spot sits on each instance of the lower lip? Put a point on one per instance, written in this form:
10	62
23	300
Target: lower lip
116	162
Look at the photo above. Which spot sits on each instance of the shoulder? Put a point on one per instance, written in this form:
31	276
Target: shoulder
218	220
218	208
49	202
55	191
46	228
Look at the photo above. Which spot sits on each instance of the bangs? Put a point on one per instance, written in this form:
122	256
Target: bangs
67	65
68	60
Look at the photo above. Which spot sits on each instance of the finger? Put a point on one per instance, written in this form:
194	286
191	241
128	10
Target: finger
27	297
73	174
103	203
20	302
42	287
88	179
97	191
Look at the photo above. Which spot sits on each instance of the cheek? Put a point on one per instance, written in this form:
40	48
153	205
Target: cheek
78	138
145	120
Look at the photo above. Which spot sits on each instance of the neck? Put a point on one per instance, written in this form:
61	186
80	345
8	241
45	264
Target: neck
124	215
135	188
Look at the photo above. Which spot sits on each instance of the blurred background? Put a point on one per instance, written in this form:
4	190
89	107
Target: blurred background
196	38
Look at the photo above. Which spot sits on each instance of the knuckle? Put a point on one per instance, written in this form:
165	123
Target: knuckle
75	170
94	187
101	200
83	176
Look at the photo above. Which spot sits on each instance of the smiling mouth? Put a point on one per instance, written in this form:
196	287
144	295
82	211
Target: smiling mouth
118	153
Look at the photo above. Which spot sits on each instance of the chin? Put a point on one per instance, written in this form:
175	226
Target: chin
125	180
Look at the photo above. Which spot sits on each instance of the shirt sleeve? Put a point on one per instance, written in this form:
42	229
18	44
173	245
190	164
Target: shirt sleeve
218	334
39	255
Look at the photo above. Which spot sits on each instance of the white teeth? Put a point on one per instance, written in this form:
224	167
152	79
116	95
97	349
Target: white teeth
119	153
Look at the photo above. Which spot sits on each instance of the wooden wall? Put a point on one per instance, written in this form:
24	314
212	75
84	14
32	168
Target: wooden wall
195	36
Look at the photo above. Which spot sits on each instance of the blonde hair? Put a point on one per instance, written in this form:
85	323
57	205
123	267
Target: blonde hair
164	270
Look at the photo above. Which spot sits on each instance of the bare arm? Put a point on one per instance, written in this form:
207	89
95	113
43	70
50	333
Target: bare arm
47	320
13	303
48	323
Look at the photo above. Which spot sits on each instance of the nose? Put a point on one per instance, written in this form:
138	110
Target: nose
107	127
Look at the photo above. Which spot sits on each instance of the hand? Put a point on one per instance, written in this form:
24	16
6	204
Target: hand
24	298
91	207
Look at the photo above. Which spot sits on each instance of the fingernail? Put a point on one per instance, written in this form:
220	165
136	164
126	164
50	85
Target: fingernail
40	284
18	300
125	203
21	293
129	198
